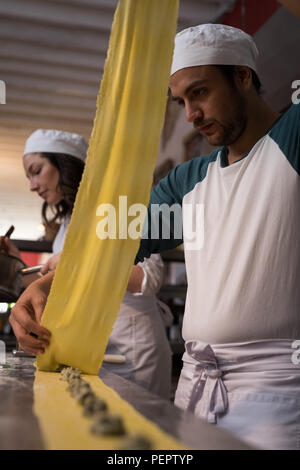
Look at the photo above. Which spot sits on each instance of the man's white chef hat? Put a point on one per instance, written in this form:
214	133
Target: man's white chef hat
213	44
53	141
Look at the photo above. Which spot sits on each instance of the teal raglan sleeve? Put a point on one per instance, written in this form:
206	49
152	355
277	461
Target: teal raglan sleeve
163	228
286	133
163	224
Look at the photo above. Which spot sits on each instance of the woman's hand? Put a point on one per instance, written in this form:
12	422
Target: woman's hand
10	248
51	264
26	316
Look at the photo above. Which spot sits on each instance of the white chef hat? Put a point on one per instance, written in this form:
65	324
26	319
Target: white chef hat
213	44
53	141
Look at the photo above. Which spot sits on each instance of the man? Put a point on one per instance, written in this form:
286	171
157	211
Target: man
242	307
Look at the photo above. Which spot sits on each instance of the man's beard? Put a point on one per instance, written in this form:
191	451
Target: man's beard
231	128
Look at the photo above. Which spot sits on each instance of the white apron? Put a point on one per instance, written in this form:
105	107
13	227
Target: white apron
252	389
139	333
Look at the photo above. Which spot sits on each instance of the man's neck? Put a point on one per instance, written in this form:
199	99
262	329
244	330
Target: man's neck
259	121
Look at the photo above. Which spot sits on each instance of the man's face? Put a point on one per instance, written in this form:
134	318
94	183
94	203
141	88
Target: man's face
216	108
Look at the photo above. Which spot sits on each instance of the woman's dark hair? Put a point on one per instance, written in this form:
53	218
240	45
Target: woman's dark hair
70	172
229	71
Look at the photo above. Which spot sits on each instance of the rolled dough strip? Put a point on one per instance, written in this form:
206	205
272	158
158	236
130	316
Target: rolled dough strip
92	274
64	426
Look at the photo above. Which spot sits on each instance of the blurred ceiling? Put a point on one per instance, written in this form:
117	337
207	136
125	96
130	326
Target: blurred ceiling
52	55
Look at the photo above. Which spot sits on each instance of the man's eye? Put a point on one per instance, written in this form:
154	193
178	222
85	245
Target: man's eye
198	91
180	102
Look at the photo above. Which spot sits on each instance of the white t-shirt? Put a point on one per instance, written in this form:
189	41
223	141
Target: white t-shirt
243	282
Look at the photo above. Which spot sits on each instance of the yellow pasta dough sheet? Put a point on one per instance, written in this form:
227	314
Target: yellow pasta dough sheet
93	272
64	427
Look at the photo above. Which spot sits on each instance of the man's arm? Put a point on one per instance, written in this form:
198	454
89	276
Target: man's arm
135	280
292	5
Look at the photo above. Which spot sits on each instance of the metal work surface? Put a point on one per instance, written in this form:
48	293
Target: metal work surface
19	427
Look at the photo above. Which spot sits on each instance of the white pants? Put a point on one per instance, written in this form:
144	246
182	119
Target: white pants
251	389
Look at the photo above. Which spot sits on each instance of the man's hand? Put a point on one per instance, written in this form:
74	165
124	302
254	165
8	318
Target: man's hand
292	5
26	316
51	264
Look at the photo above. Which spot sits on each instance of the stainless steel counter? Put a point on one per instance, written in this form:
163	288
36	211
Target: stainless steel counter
19	428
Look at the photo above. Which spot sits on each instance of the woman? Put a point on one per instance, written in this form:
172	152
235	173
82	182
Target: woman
53	162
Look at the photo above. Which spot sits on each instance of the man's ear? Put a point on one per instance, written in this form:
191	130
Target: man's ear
243	77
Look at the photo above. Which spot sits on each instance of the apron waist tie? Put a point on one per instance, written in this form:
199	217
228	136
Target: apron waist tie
209	386
207	396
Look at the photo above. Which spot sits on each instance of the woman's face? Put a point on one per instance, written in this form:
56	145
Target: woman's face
43	177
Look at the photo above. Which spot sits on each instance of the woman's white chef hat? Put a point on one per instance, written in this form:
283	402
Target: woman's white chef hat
53	141
213	44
